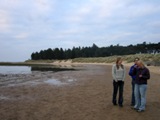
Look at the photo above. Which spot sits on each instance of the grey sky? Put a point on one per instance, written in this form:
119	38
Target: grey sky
27	26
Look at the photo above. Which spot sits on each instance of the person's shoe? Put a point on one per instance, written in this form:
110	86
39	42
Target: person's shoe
134	108
120	105
114	104
140	110
132	104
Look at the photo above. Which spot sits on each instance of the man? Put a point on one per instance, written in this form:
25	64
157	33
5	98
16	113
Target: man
133	80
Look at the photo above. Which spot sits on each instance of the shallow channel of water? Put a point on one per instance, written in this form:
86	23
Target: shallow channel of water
29	69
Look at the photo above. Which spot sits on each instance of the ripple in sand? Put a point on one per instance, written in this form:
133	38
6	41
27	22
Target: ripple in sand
54	82
59	83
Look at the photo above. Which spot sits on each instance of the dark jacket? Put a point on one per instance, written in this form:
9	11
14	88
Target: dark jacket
131	71
141	71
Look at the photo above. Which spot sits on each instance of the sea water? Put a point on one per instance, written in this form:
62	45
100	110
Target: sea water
15	69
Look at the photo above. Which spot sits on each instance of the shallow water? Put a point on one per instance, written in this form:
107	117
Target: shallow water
29	69
15	69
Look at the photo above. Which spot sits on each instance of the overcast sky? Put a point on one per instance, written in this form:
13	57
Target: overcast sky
27	26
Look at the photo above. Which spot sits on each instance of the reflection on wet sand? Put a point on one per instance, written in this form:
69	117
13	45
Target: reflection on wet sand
54	69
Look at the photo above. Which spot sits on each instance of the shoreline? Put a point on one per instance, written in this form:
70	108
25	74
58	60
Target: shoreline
70	64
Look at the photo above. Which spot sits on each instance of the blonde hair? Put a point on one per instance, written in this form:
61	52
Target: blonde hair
140	62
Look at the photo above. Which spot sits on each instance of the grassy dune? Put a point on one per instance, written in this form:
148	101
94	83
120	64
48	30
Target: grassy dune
149	59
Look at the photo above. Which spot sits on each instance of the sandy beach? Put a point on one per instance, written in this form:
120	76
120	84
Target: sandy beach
83	94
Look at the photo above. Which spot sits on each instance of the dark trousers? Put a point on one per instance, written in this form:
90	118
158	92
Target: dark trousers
118	86
133	96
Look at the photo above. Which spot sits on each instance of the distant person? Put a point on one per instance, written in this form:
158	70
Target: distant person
142	75
118	73
133	80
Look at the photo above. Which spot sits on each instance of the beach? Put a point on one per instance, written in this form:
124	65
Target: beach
83	94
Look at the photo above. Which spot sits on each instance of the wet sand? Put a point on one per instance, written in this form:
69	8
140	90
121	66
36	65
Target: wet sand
85	94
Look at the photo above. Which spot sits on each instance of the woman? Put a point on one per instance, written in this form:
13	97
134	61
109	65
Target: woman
142	75
118	73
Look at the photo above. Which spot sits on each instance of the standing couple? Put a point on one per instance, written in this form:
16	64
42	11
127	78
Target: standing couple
140	74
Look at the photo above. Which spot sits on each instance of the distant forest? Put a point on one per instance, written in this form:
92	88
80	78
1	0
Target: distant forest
95	51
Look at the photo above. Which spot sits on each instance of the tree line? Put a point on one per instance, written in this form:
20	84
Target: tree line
95	51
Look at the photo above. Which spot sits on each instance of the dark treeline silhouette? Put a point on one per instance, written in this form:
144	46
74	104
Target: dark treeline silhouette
95	51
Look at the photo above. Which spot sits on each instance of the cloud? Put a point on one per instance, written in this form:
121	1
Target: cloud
21	36
42	6
78	14
141	9
4	21
70	44
105	8
154	37
10	4
155	24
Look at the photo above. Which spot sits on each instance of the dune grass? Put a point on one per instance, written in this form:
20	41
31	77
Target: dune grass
149	59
